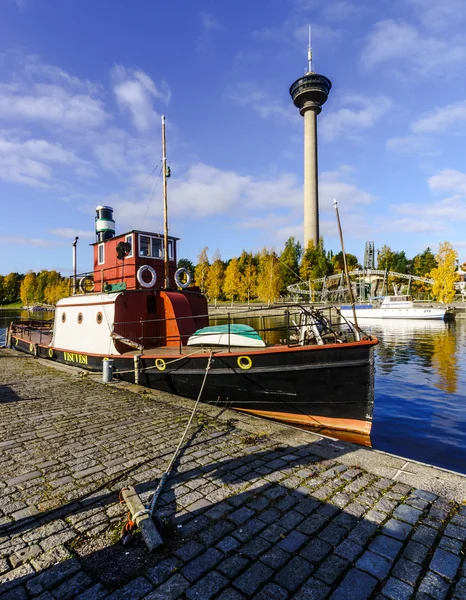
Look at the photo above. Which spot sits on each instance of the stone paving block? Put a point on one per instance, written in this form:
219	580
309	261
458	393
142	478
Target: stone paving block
24	555
216	532
407	513
459	592
333	534
170	590
249	529
293	541
207	587
271	591
357	585
233	565
241	515
374	564
349	550
434	586
203	563
18	593
228	544
15	577
253	578
395	589
294	574
255	548
445	564
165	569
331	569
73	586
415	551
456	532
231	594
275	557
96	592
316	550
23	478
386	546
397	529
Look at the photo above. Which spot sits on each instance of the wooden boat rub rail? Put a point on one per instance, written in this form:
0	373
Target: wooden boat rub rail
274	369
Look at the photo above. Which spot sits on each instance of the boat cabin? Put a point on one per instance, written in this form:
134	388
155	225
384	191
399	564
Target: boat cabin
131	261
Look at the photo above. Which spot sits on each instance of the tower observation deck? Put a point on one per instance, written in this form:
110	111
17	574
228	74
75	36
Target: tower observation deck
309	93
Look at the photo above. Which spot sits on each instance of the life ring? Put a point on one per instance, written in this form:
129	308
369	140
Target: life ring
179	283
160	364
153	276
50	353
84	288
244	362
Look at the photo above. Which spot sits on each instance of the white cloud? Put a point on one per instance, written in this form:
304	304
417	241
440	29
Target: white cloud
441	120
392	40
209	22
361	113
448	180
338	185
50	104
29	162
135	92
410	144
439	16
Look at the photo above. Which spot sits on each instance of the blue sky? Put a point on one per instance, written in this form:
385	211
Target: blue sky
83	85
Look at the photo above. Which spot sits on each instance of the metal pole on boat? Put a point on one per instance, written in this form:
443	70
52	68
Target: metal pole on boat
165	207
74	263
348	283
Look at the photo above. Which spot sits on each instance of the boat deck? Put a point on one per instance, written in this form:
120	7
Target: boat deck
44	338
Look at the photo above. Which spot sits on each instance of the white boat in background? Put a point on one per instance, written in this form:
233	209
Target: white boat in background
393	307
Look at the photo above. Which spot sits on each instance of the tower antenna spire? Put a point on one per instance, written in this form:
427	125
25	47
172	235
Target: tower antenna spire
309	54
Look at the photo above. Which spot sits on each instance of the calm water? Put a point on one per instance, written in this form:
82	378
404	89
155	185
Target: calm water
420	389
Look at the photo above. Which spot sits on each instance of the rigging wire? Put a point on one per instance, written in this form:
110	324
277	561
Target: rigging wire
157	166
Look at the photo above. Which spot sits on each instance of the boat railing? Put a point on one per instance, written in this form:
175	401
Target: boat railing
291	326
40	328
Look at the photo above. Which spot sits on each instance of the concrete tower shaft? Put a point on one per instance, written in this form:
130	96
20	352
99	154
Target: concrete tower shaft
308	94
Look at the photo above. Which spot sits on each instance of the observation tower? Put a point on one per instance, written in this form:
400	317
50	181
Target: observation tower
309	93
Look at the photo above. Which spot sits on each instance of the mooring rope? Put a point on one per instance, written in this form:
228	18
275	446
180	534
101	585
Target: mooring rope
151	505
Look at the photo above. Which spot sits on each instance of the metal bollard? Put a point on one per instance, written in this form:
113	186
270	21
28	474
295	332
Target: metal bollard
107	370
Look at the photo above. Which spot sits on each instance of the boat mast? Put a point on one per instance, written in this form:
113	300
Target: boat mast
345	265
165	208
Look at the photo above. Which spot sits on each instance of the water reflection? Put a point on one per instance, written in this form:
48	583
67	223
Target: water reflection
420	402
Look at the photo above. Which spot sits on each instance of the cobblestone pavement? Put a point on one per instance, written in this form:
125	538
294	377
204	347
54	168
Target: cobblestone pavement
252	510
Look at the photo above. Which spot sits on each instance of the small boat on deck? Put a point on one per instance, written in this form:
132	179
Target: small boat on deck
393	307
295	364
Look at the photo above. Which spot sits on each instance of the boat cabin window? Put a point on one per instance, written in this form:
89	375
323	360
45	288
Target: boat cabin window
129	240
101	257
153	247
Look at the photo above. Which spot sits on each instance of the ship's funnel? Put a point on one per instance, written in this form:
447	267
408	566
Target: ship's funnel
104	223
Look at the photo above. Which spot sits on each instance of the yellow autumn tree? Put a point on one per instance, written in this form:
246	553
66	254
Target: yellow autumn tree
444	275
231	283
27	290
269	280
248	280
202	268
214	279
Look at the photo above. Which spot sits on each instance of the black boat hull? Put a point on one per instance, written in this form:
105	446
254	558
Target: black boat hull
326	387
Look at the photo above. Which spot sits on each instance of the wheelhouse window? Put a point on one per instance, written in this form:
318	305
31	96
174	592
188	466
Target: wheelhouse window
101	254
129	240
152	247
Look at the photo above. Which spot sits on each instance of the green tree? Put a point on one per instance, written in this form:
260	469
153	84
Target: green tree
315	262
231	284
269	280
424	263
289	263
444	275
401	262
386	258
185	263
11	287
339	265
214	279
202	268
